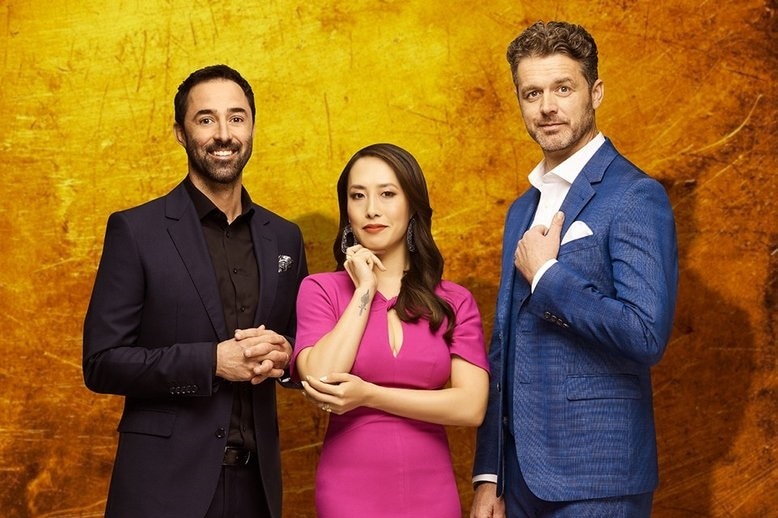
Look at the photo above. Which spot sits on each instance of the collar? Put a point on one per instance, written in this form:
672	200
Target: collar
204	206
568	170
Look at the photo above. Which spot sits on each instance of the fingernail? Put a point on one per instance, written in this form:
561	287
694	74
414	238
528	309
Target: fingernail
323	378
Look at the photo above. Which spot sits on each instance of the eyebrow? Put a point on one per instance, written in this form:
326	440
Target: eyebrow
208	111
381	186
530	87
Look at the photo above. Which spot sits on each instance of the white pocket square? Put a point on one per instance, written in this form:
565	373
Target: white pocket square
577	230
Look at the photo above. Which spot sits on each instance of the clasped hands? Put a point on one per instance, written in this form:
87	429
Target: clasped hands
537	246
253	355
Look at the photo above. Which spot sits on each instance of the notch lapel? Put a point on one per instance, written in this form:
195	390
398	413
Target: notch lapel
187	234
582	189
266	252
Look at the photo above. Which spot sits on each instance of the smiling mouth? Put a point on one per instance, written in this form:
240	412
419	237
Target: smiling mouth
373	228
222	153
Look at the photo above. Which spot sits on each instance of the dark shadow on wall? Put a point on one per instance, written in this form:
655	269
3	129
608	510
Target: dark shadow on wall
701	387
302	425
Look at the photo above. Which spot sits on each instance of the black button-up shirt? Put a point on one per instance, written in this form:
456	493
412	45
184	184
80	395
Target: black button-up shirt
235	265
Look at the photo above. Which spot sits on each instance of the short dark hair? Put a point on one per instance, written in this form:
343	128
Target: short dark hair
544	39
203	75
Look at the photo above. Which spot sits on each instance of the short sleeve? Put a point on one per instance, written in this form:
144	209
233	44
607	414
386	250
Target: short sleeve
317	313
468	340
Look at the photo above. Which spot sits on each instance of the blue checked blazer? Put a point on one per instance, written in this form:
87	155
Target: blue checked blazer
585	340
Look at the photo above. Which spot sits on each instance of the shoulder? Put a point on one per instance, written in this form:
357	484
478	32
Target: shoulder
329	281
269	217
455	294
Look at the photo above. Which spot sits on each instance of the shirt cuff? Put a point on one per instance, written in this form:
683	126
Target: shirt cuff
536	279
484	478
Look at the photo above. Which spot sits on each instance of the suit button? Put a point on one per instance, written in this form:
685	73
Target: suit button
499	387
220	433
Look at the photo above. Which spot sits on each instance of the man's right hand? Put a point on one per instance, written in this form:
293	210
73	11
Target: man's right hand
233	364
485	502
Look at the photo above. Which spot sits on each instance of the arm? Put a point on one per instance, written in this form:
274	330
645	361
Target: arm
125	351
462	403
629	310
337	349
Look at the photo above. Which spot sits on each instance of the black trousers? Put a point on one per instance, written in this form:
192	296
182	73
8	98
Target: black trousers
239	494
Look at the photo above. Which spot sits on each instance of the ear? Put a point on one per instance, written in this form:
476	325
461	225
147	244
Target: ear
180	134
598	92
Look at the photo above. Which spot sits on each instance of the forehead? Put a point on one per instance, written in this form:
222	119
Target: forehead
370	170
216	95
535	70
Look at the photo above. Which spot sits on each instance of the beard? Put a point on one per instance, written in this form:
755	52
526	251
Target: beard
216	170
568	136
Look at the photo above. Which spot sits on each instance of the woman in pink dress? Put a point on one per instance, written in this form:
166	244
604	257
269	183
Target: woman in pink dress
394	352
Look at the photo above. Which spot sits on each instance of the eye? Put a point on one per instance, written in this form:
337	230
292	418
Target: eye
531	95
388	194
565	90
206	121
237	119
356	195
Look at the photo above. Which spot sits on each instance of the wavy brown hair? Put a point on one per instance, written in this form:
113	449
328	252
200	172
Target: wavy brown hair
417	298
545	39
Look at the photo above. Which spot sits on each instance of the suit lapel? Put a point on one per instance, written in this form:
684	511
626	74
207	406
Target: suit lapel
187	234
266	252
519	218
582	189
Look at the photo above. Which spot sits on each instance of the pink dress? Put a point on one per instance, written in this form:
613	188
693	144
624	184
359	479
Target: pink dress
374	464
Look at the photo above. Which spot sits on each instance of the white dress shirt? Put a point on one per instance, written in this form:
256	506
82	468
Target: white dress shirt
554	186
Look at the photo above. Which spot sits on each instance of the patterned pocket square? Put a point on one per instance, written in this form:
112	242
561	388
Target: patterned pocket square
284	263
577	230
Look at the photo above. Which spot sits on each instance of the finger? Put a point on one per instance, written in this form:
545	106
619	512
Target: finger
241	334
556	225
322	387
335	378
378	263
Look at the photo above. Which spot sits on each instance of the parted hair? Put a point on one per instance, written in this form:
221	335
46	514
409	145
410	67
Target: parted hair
417	298
545	39
206	74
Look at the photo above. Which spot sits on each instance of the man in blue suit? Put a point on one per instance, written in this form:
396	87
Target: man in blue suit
584	309
191	319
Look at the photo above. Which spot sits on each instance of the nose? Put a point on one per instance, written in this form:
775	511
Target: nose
548	104
372	207
222	132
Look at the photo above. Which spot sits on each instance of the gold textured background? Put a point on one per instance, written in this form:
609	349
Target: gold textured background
86	94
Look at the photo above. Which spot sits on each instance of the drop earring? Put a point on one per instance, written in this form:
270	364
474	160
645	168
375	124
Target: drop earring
409	237
344	239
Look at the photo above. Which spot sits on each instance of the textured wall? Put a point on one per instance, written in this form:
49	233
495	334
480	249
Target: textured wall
86	95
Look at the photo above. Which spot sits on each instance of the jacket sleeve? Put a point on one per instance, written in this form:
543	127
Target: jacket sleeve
628	309
116	359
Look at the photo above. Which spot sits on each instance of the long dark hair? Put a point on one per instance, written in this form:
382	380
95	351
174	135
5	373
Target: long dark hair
417	298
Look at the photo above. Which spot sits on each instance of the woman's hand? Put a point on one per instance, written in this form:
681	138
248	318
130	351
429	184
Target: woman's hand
360	265
337	393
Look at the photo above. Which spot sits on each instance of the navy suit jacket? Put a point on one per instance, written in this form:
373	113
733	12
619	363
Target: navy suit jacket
149	334
581	408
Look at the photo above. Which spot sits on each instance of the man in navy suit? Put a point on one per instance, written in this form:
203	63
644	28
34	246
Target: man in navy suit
584	309
190	320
